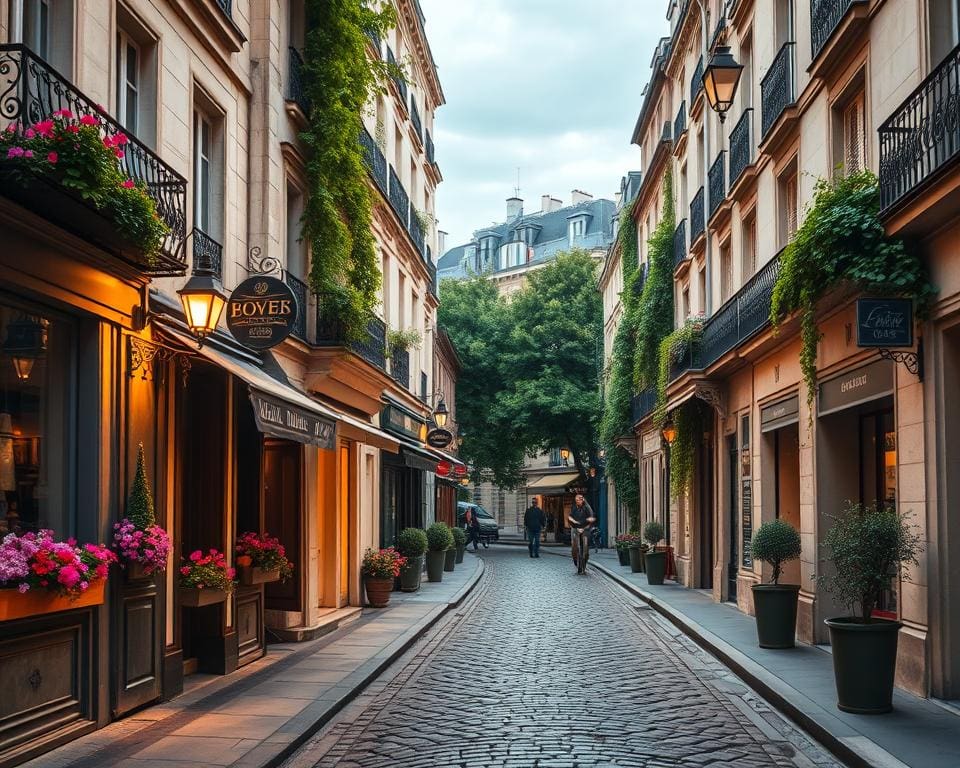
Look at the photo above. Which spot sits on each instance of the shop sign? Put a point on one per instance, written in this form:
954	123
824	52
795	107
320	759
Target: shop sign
282	419
780	414
854	387
884	323
262	312
439	437
400	422
651	442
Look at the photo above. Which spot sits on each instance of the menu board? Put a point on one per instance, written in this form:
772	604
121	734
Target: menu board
746	500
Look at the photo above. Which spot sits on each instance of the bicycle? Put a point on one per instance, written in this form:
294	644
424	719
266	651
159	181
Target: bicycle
583	547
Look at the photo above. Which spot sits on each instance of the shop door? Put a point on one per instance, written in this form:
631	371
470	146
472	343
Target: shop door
705	504
343	523
878	479
388	505
733	499
281	517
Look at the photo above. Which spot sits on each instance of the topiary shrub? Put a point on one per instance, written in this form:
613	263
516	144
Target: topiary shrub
412	542
653	532
459	536
140	504
439	538
776	542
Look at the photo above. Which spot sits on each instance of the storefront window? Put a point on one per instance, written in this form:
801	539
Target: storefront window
36	405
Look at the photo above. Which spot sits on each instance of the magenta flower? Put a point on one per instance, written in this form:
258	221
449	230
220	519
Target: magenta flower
128	184
14	152
88	120
65	113
28	153
52	158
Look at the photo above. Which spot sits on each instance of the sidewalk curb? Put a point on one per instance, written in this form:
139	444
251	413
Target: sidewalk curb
302	727
772	689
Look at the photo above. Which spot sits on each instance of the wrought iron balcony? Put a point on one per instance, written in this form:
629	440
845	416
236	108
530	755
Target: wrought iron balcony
922	137
777	88
331	332
399	199
296	92
696	82
207	255
33	91
227	7
375	160
642	404
680	244
398	81
415	119
400	366
680	123
432	269
716	177
299	289
741	146
416	230
698	222
428	146
374	39
825	17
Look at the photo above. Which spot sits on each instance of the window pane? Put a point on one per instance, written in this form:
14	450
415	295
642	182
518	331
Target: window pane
132	66
130	113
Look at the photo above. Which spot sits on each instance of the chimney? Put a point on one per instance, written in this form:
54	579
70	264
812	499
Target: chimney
514	208
579	196
548	203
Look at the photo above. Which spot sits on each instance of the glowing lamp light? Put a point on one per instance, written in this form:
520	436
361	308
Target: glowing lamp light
669	432
564	453
465	481
720	79
593	471
26	342
423	432
203	301
23	366
441	413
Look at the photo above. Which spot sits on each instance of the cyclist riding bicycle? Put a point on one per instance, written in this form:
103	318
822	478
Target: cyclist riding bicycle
581	520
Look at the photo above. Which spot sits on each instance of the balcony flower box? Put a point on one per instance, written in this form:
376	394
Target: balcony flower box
261	558
36	602
251	575
205	579
197	597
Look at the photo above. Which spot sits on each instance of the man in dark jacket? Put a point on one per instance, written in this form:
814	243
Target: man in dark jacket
533	521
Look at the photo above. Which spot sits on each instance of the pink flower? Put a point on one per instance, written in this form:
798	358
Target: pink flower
63	113
29	133
185	570
128	184
196	555
118	153
28	154
68	576
23	587
44	128
88	120
15	152
52	158
73	128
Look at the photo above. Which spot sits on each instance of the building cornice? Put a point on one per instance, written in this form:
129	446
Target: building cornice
408	13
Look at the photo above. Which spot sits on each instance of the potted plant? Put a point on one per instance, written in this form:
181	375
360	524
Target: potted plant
411	543
400	341
776	542
142	545
656	562
622	544
261	558
459	542
205	579
450	556
439	540
41	575
869	545
379	569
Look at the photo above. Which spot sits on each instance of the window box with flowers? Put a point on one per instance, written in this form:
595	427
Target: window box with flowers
379	569
41	575
261	559
205	579
142	545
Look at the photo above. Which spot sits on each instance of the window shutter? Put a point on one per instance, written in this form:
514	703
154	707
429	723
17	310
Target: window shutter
791	200
854	130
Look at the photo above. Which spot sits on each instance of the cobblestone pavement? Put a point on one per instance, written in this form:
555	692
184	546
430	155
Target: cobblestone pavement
549	669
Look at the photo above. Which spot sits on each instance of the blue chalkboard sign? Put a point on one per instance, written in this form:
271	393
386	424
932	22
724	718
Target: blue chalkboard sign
885	323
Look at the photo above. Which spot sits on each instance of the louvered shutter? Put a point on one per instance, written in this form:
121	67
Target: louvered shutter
854	130
791	201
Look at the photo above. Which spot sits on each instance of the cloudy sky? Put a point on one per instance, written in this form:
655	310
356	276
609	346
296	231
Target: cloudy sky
551	87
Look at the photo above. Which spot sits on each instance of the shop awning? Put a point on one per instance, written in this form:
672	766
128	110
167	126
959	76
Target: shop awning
553	482
280	409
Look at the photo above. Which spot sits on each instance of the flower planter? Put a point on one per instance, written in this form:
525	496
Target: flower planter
656	565
449	559
775	606
14	605
137	572
864	663
410	574
623	555
435	562
378	591
461	549
636	562
193	597
252	574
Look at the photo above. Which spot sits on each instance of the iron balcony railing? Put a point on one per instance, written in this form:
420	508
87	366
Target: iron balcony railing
375	160
416	230
680	244
331	332
716	178
428	147
374	39
397	79
415	118
696	82
296	91
400	366
922	137
698	221
741	146
642	404
299	289
227	7
399	199
825	17
33	91
207	255
680	122
424	394
777	88
432	270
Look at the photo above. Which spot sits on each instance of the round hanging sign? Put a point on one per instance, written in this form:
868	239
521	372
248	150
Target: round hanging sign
443	468
261	312
439	438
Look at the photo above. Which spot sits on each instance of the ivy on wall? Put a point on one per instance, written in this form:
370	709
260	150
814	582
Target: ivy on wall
339	79
690	420
676	345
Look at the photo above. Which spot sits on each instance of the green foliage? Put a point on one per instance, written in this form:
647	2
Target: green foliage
776	542
339	79
690	420
627	243
398	341
459	536
672	348
869	545
463	493
412	542
841	241
140	503
439	537
653	532
617	420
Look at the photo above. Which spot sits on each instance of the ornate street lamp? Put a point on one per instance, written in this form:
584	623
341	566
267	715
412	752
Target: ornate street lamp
203	301
669	432
441	413
720	79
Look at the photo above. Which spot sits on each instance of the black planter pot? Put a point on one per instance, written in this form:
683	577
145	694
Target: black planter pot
623	555
449	559
864	663
776	608
636	560
410	574
435	561
656	563
461	548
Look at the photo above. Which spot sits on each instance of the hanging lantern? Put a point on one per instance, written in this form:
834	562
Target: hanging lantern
720	79
26	342
203	301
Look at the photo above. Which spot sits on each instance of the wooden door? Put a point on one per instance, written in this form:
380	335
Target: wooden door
282	517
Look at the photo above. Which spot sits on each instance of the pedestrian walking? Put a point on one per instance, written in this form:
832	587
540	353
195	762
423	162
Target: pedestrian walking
533	520
472	525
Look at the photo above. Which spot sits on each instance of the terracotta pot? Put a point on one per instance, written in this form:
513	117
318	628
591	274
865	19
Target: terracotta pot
378	591
192	597
36	602
244	560
252	574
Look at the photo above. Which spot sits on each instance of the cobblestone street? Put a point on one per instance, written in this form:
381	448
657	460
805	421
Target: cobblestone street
546	668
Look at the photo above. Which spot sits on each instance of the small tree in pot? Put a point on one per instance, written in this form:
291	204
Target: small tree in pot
869	545
656	561
411	543
776	542
379	569
460	542
439	540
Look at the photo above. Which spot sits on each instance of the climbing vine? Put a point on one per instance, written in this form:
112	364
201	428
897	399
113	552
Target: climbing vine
680	342
689	420
842	242
339	80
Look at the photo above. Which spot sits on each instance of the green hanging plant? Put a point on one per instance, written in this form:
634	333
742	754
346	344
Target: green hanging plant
399	341
689	420
672	348
842	242
339	79
140	503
